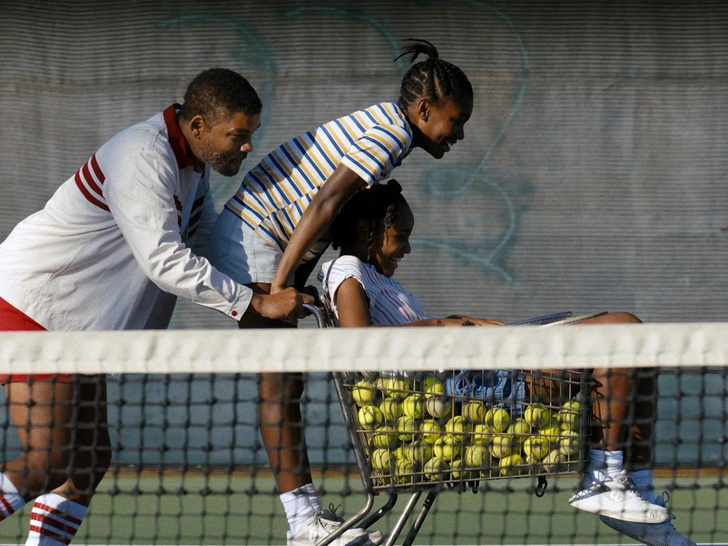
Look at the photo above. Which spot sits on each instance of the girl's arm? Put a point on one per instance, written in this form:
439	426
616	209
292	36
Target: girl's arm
316	219
353	306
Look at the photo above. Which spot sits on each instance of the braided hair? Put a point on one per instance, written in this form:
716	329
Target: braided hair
376	204
433	79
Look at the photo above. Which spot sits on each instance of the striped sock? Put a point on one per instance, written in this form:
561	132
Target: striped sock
54	520
10	499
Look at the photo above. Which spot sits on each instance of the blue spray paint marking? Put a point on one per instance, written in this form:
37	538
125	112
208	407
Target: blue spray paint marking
469	177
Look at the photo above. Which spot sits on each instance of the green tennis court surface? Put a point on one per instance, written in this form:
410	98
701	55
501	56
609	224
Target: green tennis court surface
240	509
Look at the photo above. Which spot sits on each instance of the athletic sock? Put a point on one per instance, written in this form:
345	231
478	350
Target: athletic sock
10	499
615	462
645	482
54	520
604	464
300	505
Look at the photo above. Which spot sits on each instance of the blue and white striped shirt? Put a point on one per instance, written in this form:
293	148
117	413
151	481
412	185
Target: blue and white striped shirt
275	193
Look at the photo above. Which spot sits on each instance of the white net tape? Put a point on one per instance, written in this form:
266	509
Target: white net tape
371	349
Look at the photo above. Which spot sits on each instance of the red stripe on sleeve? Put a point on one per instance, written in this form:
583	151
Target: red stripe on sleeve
97	170
87	194
90	180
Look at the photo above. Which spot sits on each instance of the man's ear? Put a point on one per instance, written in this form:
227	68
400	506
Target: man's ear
197	126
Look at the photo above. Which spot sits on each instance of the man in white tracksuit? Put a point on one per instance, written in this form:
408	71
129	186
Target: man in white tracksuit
112	250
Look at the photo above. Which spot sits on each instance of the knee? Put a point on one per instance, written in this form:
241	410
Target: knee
280	387
103	455
46	469
622	317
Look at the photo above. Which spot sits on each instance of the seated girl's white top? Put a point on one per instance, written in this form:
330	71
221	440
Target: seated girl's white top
389	302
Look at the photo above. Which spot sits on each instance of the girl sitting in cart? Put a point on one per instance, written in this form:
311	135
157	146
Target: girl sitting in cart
372	232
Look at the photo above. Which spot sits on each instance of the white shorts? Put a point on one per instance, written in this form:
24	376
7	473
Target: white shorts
238	252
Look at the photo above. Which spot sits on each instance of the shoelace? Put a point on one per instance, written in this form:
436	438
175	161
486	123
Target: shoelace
331	513
662	500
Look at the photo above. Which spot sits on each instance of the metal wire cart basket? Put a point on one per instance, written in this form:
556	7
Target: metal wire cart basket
452	430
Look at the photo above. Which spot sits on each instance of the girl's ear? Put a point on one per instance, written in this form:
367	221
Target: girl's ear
423	108
362	230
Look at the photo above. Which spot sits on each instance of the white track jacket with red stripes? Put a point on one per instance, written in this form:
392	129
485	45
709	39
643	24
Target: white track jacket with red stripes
111	250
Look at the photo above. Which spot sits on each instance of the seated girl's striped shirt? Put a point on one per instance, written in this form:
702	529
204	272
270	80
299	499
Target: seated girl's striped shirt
389	302
274	194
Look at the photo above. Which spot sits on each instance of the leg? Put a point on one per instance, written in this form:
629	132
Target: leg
281	422
638	458
606	489
63	430
42	413
283	434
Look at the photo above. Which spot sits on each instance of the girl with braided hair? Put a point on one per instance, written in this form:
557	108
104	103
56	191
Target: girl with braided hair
272	231
373	231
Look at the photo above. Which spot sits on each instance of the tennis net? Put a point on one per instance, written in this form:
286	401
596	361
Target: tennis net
188	465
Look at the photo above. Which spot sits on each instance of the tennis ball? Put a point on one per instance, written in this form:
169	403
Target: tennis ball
435	468
501	445
569	415
418	452
433	387
537	416
510	465
498	419
384	437
405	471
569	443
460	471
553	461
382	460
438	406
474	456
405	427
519	429
370	417
391	409
481	434
474	411
536	447
413	406
395	387
552	434
364	393
444	450
400	453
431	431
457	426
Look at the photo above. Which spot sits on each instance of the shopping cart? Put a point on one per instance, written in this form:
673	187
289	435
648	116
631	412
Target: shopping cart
452	430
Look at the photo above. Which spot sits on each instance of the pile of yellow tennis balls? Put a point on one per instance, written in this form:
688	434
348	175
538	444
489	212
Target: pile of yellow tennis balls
414	432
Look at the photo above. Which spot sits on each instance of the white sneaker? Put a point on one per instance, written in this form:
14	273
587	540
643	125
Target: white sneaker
617	498
375	537
319	527
652	534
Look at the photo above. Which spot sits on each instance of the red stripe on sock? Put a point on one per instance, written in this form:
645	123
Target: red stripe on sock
57	513
48	533
57	524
